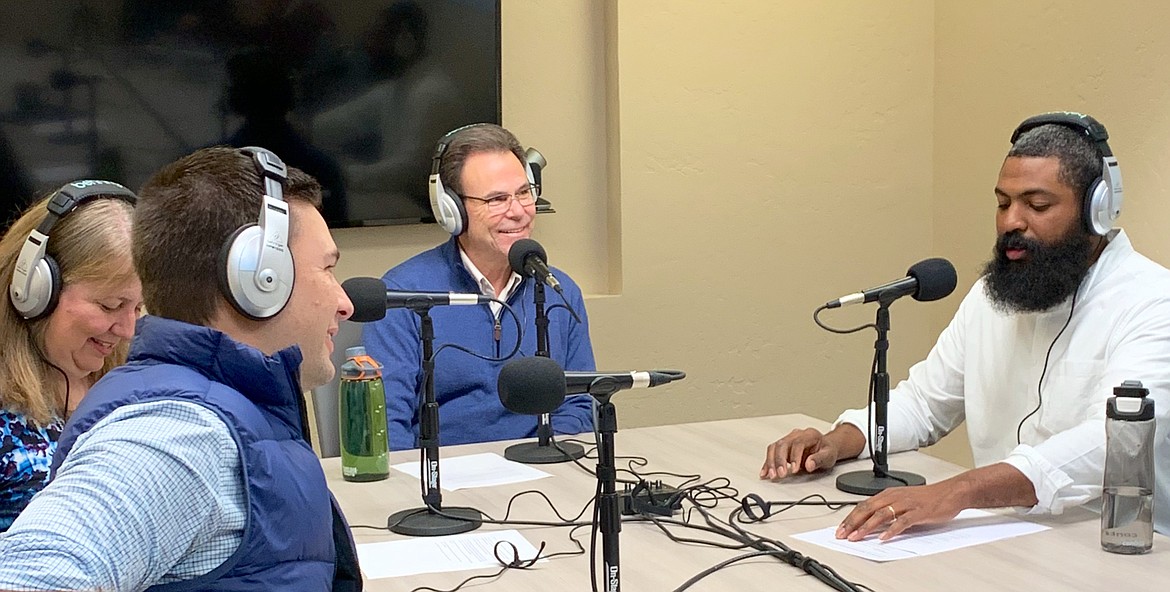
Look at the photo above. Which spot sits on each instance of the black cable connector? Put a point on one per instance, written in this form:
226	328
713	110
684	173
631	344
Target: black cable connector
650	497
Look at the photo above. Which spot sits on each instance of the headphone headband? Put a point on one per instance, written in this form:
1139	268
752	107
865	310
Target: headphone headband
36	280
444	142
272	170
1101	202
1078	122
72	195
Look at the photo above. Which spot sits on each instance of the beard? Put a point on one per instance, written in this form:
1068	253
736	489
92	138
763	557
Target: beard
1045	277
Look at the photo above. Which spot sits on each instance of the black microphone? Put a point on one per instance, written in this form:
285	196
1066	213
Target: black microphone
371	299
528	259
531	386
538	385
594	383
927	280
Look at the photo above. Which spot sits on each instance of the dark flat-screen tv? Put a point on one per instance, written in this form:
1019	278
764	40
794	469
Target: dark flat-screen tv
354	92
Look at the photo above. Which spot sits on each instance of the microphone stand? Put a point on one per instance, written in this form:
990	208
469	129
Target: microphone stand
543	451
608	501
880	478
432	519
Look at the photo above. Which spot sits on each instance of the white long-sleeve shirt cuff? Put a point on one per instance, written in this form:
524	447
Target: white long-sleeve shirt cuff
897	440
857	418
1054	488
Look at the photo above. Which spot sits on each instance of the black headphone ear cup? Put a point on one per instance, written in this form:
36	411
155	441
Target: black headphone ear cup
55	286
238	271
1095	207
460	211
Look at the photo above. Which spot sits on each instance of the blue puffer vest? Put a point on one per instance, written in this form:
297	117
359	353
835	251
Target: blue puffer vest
287	542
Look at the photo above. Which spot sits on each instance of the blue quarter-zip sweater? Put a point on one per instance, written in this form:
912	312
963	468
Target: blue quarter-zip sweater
465	386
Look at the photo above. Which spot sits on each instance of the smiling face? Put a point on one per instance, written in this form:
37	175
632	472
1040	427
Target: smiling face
90	321
489	236
317	304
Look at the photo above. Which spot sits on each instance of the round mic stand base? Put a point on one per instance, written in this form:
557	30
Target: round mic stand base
869	483
424	522
427	520
532	453
880	477
544	451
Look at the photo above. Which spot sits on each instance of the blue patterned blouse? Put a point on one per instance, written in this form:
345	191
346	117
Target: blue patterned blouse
26	451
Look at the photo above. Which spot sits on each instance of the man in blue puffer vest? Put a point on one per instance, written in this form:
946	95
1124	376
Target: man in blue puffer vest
189	468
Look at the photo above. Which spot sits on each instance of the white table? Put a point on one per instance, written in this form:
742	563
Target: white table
1067	557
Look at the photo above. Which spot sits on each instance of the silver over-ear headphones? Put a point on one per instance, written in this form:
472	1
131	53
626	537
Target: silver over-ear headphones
36	280
256	265
446	206
1101	202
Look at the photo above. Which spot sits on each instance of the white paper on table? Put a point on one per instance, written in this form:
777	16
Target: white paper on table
456	552
970	527
477	470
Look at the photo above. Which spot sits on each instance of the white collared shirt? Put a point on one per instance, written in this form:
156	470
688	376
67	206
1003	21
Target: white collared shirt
485	286
986	364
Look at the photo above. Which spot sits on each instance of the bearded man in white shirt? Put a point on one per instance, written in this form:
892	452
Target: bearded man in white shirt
1065	311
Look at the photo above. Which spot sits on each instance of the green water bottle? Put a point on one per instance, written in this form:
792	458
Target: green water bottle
365	454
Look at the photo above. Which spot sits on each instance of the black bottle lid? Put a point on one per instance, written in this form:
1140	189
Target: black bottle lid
1130	402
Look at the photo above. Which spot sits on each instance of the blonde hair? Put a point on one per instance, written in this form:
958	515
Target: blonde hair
90	244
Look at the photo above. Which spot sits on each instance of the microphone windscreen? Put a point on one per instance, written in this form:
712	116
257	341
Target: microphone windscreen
368	296
520	252
936	279
532	386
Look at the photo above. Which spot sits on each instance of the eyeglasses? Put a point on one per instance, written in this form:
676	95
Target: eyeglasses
500	202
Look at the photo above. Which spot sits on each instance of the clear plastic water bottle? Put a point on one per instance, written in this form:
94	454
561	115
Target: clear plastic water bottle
1127	512
365	454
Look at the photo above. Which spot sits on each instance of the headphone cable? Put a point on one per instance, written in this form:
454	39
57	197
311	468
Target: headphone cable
1044	369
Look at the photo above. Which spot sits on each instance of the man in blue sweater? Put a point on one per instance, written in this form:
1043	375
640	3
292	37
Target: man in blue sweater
484	194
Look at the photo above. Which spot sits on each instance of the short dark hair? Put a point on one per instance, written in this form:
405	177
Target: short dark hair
476	139
185	214
1080	159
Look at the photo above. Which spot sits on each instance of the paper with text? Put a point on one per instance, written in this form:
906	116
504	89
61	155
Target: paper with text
970	527
476	470
441	554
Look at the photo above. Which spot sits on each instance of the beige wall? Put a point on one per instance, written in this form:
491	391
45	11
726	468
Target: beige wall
734	166
772	157
1000	61
722	168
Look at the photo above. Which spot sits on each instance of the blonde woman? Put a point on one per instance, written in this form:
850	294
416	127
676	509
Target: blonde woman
72	301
